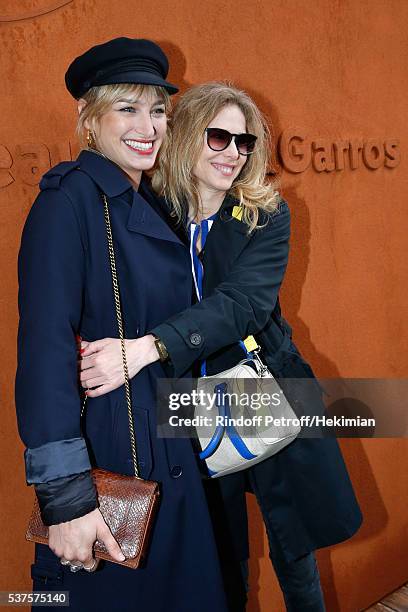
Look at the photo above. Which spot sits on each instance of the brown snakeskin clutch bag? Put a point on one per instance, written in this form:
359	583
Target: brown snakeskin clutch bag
128	505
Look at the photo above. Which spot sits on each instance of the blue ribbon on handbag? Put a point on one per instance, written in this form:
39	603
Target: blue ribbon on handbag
225	428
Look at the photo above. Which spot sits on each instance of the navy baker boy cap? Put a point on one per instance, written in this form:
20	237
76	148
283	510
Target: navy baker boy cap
121	60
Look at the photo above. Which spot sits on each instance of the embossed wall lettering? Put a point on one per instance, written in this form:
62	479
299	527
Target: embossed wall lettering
6	161
297	151
27	162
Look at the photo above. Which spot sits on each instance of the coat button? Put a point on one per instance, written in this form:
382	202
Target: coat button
195	339
176	471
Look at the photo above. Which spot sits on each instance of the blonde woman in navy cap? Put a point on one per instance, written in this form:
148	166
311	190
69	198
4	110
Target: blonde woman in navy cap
65	290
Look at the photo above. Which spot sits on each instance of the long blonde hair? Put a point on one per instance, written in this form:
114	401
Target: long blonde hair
174	177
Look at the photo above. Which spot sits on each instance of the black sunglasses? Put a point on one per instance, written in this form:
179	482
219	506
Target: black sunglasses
219	140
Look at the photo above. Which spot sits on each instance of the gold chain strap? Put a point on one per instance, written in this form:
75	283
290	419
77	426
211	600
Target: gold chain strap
122	341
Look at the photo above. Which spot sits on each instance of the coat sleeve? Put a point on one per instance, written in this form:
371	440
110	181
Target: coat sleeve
239	306
51	281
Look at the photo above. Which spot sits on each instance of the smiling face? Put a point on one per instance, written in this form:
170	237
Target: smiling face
131	132
215	171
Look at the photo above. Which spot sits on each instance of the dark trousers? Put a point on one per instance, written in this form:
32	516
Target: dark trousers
299	579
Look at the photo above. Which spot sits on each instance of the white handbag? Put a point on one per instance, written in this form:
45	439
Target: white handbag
237	440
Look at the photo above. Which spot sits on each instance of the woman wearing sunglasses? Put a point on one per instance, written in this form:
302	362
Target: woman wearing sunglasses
66	289
237	227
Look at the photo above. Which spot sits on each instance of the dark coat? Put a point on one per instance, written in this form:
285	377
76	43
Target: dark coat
304	490
66	289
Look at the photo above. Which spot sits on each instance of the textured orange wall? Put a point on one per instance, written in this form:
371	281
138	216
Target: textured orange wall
335	70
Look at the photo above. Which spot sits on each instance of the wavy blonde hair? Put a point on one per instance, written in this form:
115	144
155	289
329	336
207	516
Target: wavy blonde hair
100	99
174	176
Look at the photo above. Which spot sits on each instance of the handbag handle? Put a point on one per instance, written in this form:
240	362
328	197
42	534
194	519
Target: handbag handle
229	429
116	294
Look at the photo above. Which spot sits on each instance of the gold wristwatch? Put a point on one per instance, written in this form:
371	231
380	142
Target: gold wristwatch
161	348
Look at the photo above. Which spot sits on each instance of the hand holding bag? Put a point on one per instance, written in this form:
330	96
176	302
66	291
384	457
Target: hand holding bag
128	504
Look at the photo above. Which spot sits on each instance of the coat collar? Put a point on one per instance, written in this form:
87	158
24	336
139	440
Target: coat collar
147	214
111	180
225	216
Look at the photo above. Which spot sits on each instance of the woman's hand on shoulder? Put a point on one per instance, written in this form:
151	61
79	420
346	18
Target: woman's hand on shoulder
101	362
74	540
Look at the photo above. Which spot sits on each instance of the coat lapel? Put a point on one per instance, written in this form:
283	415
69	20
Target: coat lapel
143	219
113	182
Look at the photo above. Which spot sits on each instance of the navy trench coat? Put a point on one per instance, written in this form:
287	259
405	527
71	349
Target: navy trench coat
66	289
304	491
